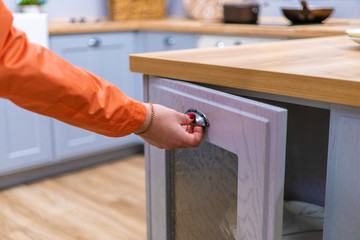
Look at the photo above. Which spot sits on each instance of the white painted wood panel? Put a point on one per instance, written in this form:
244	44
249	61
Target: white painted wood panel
254	131
342	212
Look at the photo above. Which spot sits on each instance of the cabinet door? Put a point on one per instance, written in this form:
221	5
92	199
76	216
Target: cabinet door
231	186
155	42
105	55
25	139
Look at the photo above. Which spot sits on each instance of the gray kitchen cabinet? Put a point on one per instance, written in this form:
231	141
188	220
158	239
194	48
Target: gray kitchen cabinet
163	41
25	139
105	55
166	41
231	186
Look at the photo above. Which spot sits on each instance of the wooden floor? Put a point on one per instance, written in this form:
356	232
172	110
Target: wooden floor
106	202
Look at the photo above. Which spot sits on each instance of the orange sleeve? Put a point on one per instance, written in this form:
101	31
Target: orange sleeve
38	80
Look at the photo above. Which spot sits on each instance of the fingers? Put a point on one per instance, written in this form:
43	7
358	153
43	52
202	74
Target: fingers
185	119
193	138
188	128
192	134
197	134
174	133
183	139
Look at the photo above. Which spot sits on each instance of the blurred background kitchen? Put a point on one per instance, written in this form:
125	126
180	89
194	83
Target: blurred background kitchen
99	8
108	201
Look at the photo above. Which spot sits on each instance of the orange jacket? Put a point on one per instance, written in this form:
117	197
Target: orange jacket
37	79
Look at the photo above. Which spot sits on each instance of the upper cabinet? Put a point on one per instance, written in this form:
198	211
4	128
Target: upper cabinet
105	55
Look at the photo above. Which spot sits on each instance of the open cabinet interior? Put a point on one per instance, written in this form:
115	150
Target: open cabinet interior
306	152
305	170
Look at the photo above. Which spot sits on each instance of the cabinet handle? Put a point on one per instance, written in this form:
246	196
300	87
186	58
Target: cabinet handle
220	44
94	42
170	41
238	42
199	117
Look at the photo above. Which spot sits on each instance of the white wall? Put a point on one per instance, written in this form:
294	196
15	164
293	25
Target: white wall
97	8
70	8
90	8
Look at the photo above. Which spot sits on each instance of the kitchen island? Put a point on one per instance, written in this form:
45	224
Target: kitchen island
313	77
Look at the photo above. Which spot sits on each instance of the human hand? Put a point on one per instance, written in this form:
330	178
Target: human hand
169	129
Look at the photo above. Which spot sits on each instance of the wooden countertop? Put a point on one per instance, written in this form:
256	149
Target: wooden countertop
325	69
268	26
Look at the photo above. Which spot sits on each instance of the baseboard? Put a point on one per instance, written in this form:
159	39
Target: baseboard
36	174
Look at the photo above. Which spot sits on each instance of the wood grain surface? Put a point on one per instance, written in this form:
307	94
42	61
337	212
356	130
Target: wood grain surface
268	26
324	69
104	202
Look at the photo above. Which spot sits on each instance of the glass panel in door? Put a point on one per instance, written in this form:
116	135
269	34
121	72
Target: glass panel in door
203	193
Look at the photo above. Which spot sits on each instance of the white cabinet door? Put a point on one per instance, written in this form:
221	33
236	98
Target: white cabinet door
106	55
231	186
25	139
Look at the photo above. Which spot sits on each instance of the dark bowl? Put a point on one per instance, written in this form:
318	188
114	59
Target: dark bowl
313	15
241	13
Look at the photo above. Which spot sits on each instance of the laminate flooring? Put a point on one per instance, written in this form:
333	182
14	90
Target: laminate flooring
106	202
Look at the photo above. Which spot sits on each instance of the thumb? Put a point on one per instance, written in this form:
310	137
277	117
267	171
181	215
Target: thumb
185	119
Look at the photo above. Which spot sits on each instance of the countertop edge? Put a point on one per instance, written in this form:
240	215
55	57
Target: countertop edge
326	89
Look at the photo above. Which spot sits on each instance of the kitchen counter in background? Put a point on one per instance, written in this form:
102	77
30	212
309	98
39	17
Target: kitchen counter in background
276	27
